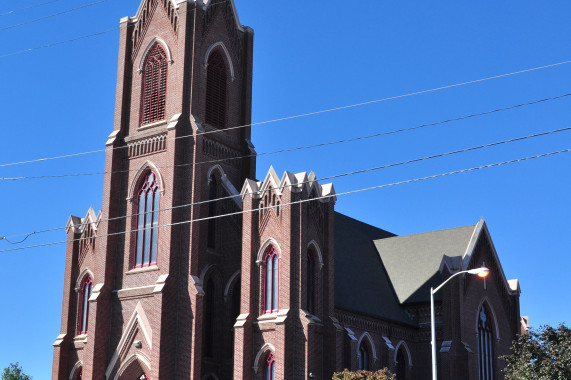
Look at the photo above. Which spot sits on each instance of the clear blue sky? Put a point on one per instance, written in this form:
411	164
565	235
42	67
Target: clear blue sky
310	56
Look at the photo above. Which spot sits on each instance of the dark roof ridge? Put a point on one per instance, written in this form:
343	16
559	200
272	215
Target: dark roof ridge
430	232
367	224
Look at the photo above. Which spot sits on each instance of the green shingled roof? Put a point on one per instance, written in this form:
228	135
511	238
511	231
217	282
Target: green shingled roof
376	272
361	282
413	261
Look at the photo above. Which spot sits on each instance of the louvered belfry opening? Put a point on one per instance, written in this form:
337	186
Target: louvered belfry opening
154	85
216	91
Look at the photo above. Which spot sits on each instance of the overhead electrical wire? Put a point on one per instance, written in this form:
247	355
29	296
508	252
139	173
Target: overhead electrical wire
308	114
303	200
318	179
298	148
58	43
70	40
6	13
52	15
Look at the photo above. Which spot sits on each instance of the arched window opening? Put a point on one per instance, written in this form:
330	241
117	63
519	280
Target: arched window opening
216	91
401	365
270	367
209	316
212	193
83	320
147	222
311	288
271	281
363	357
154	85
485	345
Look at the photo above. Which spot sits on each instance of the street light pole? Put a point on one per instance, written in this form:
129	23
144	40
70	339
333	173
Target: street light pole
481	272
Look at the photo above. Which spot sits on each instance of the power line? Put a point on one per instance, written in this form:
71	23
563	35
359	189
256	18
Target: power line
56	44
325	178
26	8
302	115
297	148
304	200
74	39
52	15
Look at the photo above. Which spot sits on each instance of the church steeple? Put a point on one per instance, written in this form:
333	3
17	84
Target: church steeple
181	138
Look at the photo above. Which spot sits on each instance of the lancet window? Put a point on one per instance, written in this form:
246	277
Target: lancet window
154	85
147	222
271	261
485	345
216	91
83	315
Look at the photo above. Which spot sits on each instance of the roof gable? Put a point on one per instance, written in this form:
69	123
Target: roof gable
413	262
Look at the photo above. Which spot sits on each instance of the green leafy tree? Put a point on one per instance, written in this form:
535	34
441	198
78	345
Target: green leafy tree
14	372
543	354
382	374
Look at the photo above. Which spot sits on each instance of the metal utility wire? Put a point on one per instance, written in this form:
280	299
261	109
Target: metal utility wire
308	114
332	176
305	200
28	7
56	44
70	40
52	15
301	147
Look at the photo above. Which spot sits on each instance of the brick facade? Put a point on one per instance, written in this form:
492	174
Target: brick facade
199	311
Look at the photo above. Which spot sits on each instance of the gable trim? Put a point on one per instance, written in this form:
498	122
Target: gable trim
138	318
226	55
482	229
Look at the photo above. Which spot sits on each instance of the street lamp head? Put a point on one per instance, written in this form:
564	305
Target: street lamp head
481	272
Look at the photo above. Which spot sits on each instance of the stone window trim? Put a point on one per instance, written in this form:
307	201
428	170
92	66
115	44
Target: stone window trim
406	349
367	339
76	370
219	46
143	169
263	353
150	45
491	313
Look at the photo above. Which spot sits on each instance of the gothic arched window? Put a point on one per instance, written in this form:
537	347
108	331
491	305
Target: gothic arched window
147	222
154	85
271	280
216	91
310	282
363	357
83	315
270	367
485	345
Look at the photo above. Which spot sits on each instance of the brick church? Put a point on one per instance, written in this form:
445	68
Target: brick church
193	269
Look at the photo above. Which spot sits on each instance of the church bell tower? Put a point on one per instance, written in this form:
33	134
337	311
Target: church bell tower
152	282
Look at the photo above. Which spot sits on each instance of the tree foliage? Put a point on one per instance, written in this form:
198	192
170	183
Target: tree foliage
14	372
382	374
543	354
